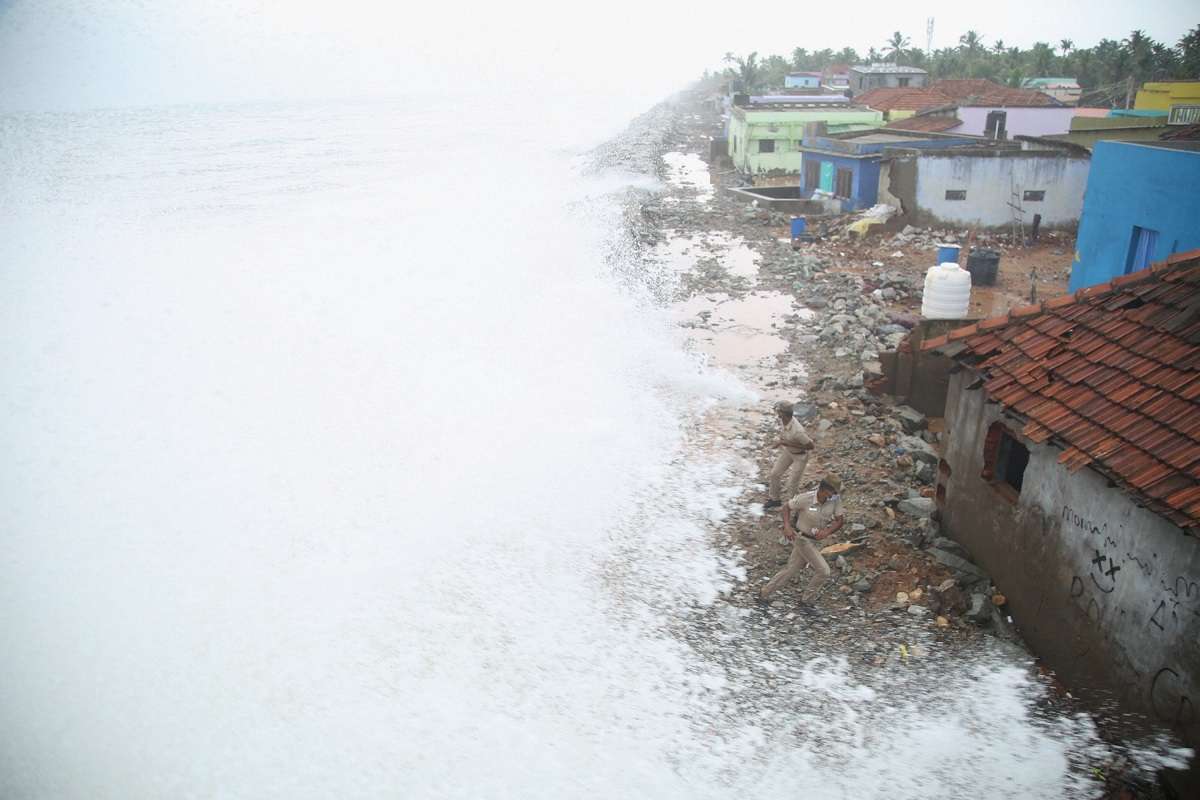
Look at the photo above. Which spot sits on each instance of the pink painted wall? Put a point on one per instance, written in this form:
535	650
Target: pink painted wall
1020	122
1083	111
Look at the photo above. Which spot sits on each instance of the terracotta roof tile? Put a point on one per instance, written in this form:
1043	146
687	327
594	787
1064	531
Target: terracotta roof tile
1112	373
926	123
897	98
982	92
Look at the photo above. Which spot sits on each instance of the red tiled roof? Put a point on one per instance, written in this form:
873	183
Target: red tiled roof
982	92
928	124
896	98
1111	374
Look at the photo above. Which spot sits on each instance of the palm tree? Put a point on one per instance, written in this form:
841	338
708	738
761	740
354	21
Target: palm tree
1140	48
847	55
1042	57
747	73
971	41
896	45
998	47
1189	51
873	56
801	58
1066	45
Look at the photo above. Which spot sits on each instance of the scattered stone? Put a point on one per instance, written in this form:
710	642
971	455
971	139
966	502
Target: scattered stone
916	506
959	565
877	440
980	610
902	597
942	622
999	600
911	419
918	611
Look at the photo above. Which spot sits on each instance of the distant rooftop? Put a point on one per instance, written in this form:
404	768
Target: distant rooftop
879	137
887	69
1035	82
803	106
805	74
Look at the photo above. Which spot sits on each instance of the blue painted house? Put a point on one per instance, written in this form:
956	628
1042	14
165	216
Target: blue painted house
802	80
1141	205
847	165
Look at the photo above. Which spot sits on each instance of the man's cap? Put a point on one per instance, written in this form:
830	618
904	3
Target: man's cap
832	480
783	407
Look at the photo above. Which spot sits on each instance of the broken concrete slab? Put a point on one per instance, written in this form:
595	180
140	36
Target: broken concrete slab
910	419
916	506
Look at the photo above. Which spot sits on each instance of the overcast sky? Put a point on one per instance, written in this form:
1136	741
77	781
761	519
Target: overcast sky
57	54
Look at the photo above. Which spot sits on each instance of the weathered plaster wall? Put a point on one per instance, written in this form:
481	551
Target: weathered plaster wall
989	181
1018	121
1106	592
1135	185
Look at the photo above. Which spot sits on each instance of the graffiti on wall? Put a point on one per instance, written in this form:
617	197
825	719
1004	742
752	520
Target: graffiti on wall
1116	582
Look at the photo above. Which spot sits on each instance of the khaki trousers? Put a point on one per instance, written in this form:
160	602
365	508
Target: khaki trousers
797	463
804	551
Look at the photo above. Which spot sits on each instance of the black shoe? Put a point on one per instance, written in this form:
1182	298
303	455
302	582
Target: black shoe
770	504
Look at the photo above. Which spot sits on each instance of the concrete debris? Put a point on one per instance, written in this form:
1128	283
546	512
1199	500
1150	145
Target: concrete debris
916	506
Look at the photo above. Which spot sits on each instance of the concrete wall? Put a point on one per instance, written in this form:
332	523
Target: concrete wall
1133	184
1107	593
1018	121
861	82
989	179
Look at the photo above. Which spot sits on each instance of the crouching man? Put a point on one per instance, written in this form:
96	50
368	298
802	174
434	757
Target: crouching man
807	519
794	446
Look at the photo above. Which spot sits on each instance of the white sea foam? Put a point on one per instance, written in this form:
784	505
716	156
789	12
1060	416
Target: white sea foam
338	463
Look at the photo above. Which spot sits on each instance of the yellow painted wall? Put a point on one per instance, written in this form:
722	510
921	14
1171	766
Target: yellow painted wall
1160	96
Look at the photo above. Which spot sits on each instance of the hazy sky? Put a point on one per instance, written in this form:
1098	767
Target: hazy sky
81	53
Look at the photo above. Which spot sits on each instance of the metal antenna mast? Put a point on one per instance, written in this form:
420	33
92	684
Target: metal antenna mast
929	37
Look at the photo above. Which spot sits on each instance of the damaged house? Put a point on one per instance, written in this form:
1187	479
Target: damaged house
847	165
989	186
1072	475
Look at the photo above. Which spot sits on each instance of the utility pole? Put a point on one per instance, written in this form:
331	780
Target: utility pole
929	38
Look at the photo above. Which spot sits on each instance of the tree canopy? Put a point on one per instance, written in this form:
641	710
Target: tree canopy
1104	70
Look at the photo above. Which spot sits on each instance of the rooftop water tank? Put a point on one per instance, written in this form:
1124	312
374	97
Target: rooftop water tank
947	292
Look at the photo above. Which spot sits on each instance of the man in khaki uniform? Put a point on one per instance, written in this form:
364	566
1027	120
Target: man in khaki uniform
794	447
818	515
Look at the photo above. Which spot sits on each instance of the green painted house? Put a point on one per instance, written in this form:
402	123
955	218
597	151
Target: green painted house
765	138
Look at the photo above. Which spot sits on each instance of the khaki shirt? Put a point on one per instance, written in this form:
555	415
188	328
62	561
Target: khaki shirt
811	517
794	438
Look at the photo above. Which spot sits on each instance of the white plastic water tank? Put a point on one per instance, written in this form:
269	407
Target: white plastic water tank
947	292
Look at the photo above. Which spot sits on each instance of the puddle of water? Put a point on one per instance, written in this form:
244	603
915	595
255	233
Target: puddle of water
738	332
688	170
681	253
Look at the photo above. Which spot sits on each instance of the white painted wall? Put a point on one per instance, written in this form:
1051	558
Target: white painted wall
989	182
